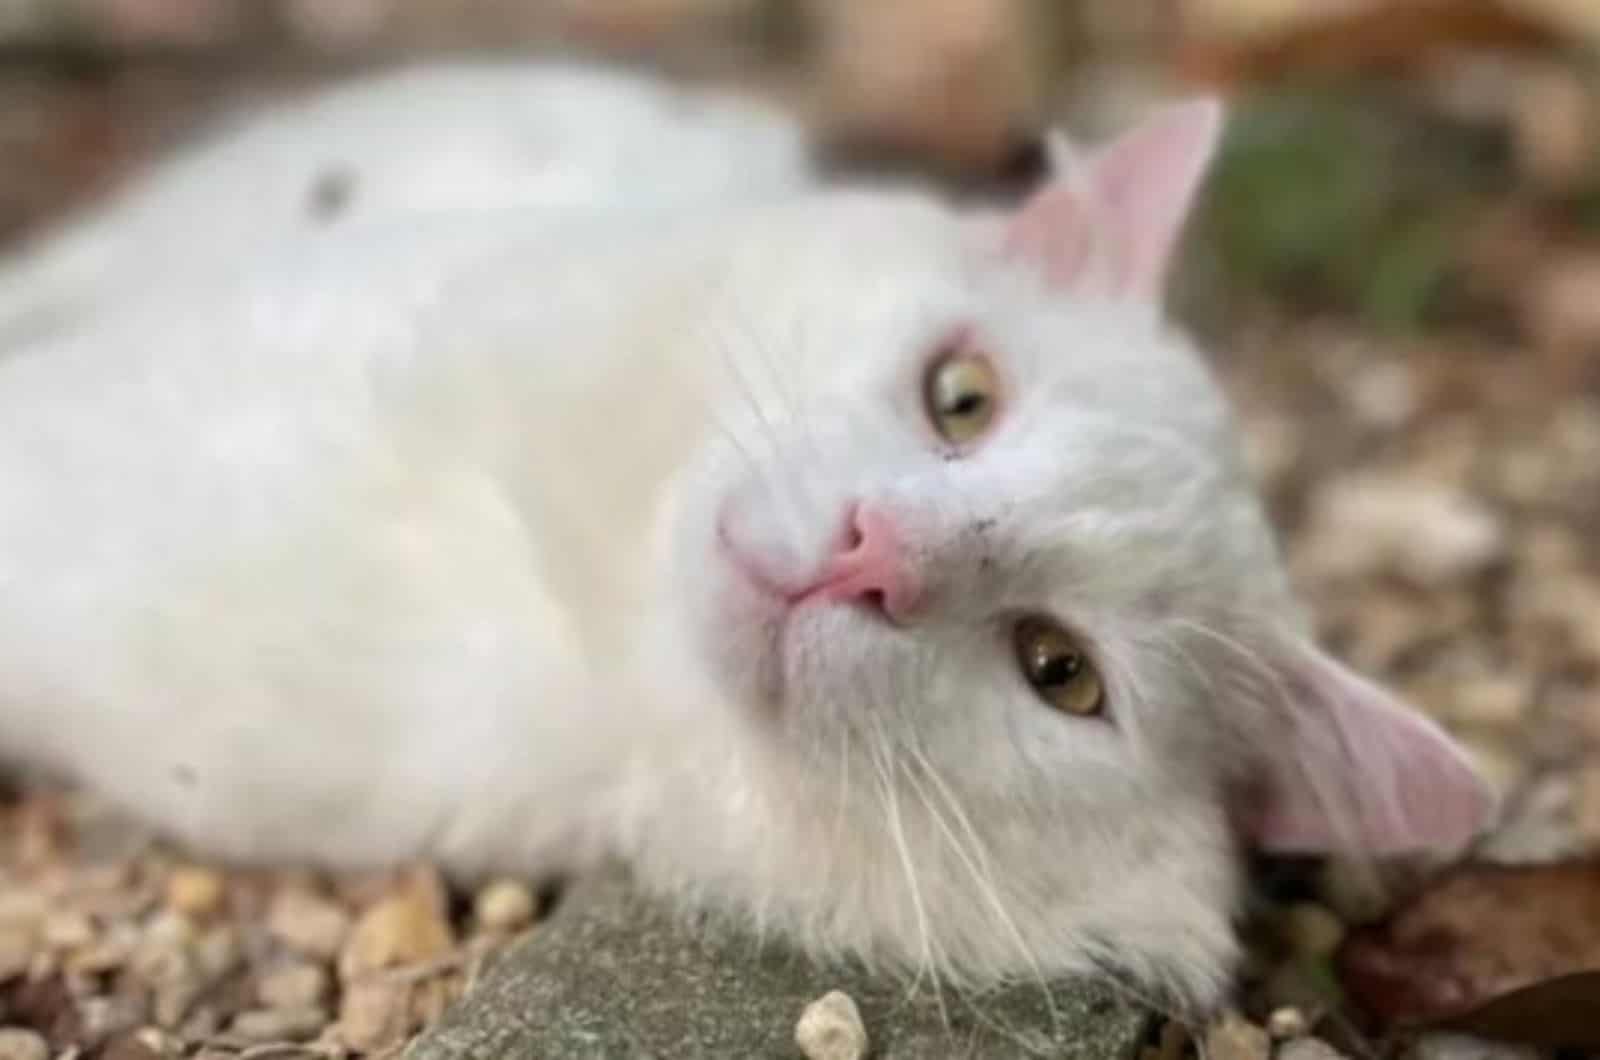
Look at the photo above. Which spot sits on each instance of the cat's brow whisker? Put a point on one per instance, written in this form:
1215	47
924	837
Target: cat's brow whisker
1241	651
780	473
727	350
1176	646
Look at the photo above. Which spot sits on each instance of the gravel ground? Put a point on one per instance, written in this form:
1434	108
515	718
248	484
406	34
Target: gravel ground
1440	497
113	946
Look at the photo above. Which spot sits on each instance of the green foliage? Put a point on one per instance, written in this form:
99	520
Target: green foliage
1345	199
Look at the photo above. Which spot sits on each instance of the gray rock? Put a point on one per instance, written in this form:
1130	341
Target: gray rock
617	976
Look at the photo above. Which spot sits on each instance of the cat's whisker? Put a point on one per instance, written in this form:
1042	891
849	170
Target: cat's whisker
747	395
1176	646
727	351
1115	978
975	856
798	341
778	473
784	394
927	964
836	844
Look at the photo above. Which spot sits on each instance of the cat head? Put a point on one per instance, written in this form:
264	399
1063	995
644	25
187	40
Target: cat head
979	573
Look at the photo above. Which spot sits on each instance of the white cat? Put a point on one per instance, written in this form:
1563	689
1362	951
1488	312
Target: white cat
438	136
884	574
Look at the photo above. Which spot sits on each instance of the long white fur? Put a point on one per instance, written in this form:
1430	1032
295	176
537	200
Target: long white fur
405	544
441	136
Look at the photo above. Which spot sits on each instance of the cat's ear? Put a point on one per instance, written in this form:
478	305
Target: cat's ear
1361	770
1119	207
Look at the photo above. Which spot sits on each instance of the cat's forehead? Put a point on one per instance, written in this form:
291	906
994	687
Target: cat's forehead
1117	457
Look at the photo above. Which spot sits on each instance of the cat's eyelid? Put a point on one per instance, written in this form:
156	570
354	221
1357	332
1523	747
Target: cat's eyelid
1088	645
961	340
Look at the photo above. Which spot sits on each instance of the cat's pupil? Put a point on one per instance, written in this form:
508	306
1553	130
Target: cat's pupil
1056	670
965	405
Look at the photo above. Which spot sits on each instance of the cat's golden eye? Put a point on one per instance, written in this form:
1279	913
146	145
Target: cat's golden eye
1059	670
962	393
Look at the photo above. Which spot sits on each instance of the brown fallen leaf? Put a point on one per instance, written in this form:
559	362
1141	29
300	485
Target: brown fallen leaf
1398	35
1557	1014
1512	953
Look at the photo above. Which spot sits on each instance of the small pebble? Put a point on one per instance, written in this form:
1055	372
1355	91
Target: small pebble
428	999
109	952
1235	1038
19	1043
373	1015
174	1000
22	909
168	930
307	923
108	1017
1287	1022
283	1051
1492	700
830	1028
504	906
67	930
1364	523
1354	890
405	928
195	891
218	952
203	1023
16	953
1308	1049
294	986
165	960
160	1042
1451	1046
1311	930
278	1024
128	1047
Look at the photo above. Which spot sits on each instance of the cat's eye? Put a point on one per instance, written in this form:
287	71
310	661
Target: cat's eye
962	394
1058	668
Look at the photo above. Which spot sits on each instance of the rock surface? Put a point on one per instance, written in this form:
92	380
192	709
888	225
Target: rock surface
618	976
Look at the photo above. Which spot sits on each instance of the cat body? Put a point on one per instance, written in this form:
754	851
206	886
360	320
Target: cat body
440	136
883	573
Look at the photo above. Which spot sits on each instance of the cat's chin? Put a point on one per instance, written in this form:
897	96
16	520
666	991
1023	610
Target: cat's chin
763	646
741	631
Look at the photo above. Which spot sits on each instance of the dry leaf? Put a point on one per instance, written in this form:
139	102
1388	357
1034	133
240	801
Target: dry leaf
1510	951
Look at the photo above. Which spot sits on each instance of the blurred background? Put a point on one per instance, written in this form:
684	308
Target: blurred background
1398	260
1397	264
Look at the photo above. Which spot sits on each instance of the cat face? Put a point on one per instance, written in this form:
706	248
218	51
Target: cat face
977	568
895	548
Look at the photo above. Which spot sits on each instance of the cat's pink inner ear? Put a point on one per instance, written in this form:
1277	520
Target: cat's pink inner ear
1054	231
1146	181
1362	770
1124	203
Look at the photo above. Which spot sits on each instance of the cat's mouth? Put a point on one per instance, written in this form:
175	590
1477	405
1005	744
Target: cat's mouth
757	573
782	602
866	567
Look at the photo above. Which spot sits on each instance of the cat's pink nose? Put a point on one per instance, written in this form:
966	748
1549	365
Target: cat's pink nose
870	567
